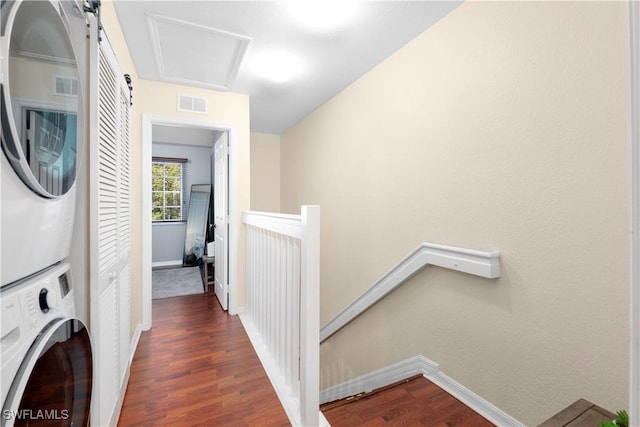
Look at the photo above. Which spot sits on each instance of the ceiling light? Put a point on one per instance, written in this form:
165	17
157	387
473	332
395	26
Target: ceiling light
276	66
323	15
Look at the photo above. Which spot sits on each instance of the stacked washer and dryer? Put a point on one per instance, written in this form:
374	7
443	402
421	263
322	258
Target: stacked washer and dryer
46	355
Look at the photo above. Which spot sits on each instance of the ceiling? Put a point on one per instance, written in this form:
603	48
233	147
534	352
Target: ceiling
232	45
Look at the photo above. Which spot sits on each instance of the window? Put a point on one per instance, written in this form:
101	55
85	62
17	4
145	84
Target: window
167	189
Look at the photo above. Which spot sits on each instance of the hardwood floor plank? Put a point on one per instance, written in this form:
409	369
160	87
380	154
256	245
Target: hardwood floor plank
417	402
196	367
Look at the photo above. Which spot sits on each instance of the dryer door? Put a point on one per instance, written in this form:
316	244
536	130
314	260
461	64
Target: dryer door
42	107
53	385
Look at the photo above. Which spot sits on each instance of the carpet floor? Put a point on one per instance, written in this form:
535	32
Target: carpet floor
176	281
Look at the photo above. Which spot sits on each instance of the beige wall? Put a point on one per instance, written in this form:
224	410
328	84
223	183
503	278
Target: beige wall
265	172
153	97
503	127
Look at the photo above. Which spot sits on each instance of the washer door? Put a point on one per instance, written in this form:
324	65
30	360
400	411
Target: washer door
42	108
53	385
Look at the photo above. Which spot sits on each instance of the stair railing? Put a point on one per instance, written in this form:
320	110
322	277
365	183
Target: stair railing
282	312
479	263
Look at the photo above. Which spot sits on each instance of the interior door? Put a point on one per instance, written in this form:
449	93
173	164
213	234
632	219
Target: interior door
221	220
109	225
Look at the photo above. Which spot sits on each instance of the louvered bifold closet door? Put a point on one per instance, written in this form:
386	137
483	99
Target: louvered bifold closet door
124	228
106	333
109	232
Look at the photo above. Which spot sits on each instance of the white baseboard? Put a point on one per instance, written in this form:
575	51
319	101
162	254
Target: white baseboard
414	366
473	401
176	263
134	342
380	378
123	390
283	391
125	381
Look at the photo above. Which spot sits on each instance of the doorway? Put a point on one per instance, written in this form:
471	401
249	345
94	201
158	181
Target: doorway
149	122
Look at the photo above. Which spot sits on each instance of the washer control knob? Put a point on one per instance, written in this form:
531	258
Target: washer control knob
44	304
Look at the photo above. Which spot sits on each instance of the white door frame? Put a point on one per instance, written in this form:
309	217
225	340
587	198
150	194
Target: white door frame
148	120
634	152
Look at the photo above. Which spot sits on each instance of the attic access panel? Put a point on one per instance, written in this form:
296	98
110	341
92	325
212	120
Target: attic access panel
195	54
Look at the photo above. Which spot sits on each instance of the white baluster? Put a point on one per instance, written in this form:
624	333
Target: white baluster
281	299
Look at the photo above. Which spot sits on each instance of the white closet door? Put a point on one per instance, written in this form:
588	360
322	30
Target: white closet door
124	276
109	231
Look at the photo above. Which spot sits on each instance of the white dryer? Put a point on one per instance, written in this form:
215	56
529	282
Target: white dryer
43	74
46	355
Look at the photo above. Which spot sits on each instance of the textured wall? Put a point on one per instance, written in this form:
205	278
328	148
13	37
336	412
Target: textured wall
265	172
502	127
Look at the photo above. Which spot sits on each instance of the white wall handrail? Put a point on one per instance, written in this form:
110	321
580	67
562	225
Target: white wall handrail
479	263
282	308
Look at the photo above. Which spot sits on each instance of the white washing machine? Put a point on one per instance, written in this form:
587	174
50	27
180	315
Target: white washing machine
46	355
43	74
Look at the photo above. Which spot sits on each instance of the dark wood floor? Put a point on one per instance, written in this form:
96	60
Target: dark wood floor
415	402
196	367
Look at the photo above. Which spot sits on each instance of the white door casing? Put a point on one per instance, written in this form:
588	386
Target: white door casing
148	121
634	153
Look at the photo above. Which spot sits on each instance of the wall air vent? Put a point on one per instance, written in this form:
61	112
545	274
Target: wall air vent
65	86
195	104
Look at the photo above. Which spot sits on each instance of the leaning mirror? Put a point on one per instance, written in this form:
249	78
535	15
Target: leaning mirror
194	240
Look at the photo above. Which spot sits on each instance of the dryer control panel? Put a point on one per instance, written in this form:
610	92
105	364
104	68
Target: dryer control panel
30	304
23	316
